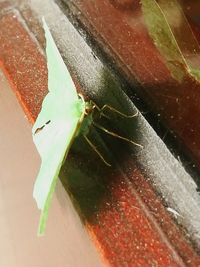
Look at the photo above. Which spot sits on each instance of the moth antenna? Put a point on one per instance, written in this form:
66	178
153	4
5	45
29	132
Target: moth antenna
116	135
96	150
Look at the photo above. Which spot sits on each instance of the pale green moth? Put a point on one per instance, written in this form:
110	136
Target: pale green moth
58	123
56	126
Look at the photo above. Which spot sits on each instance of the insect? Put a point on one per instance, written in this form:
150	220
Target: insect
63	116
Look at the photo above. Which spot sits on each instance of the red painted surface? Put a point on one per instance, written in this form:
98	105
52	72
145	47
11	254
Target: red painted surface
130	226
133	229
122	30
24	64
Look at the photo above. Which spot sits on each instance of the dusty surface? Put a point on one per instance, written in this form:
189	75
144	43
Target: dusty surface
167	173
124	214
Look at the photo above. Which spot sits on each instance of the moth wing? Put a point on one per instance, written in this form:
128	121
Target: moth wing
54	142
55	127
59	82
58	75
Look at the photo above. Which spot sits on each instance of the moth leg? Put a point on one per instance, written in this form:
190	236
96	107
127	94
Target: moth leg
96	150
99	110
118	112
102	113
116	135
